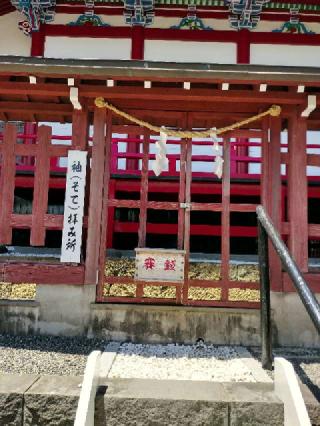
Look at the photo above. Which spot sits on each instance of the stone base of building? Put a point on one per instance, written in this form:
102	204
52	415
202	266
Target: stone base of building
71	310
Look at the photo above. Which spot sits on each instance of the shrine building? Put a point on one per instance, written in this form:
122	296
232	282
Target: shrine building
137	139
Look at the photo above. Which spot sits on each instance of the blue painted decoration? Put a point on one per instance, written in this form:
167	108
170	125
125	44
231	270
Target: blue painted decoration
191	21
245	14
294	26
139	12
89	19
36	12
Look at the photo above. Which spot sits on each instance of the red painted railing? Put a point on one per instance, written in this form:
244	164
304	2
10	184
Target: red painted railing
239	163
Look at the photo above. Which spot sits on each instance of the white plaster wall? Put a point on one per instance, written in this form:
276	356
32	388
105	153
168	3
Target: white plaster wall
87	48
287	55
189	51
12	40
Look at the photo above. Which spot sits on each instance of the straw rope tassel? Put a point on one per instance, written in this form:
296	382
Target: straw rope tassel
161	161
217	152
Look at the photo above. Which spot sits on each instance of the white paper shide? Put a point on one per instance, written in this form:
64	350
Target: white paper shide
73	207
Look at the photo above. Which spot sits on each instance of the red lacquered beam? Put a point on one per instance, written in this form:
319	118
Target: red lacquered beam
243	285
43	273
225	304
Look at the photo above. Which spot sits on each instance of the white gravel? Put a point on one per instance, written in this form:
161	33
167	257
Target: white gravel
182	362
49	355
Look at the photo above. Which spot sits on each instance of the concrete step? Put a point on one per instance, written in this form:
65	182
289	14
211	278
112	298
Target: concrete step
180	403
31	400
52	400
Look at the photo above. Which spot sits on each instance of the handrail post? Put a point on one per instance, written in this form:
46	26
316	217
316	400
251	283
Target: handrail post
307	297
265	311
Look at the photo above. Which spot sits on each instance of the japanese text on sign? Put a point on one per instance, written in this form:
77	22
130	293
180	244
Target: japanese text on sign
159	265
73	207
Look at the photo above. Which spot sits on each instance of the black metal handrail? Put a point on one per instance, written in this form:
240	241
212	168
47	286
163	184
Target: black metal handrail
267	230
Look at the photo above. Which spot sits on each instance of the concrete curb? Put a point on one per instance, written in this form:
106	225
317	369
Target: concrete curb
107	358
86	404
288	390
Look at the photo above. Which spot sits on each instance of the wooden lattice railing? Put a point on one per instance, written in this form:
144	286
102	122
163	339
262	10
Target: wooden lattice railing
39	221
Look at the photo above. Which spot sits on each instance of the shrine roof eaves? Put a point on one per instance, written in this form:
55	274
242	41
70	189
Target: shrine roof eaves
141	70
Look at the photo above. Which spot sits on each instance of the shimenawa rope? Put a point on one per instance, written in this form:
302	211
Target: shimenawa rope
274	111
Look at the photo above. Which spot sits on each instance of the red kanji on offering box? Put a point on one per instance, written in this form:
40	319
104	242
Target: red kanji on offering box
170	265
149	263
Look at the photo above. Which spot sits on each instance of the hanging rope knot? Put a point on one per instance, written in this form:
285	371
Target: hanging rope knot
163	130
275	110
213	133
100	103
161	162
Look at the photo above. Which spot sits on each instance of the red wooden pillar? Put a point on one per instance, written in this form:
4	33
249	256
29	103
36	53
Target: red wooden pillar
182	183
275	199
38	41
80	129
271	188
188	177
144	192
133	147
96	196
243	47
111	210
225	220
265	169
41	187
242	151
137	40
7	175
104	208
298	190
182	193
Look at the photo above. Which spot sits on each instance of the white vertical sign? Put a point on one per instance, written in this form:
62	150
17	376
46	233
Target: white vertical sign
73	207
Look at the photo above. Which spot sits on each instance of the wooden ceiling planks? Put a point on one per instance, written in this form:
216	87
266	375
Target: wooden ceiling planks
49	97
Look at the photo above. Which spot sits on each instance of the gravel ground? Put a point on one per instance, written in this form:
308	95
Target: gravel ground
67	356
181	362
306	363
46	355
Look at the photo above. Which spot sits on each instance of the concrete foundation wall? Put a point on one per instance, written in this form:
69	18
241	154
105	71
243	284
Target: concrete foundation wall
160	324
64	309
18	317
71	310
292	325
